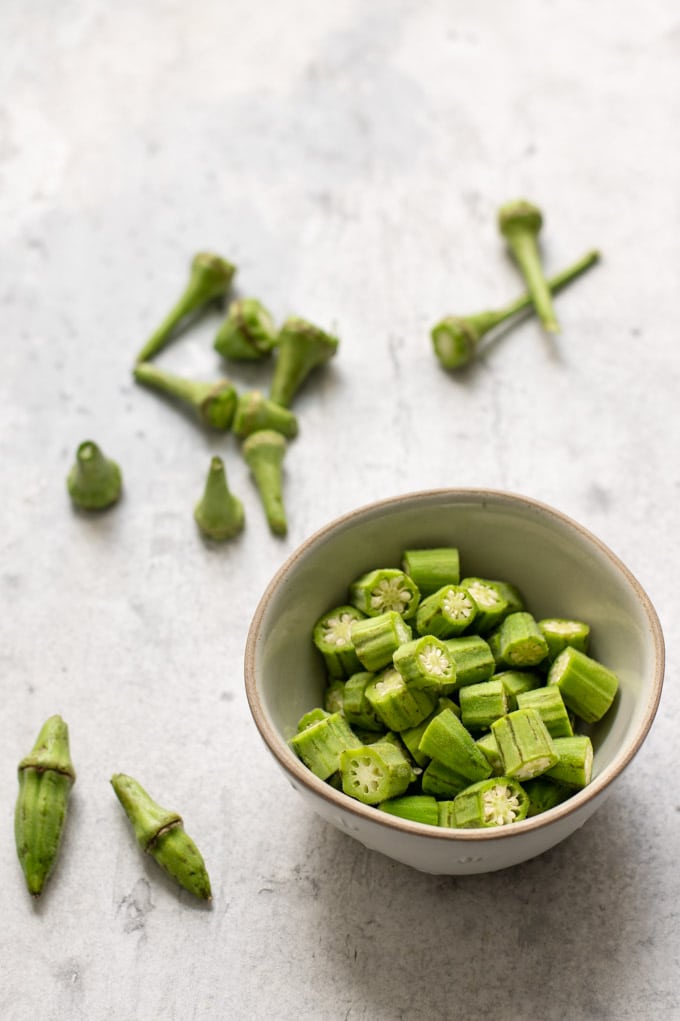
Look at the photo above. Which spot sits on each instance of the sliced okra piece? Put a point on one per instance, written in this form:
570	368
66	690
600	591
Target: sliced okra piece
398	706
574	767
446	740
544	794
587	687
416	807
488	745
313	716
491	605
375	773
376	639
520	641
357	709
517	681
442	782
526	747
446	613
426	663
321	744
332	635
549	704
496	802
385	589
510	593
334	696
446	814
481	704
431	569
559	633
473	658
412	735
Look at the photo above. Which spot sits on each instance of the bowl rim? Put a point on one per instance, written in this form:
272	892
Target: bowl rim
296	769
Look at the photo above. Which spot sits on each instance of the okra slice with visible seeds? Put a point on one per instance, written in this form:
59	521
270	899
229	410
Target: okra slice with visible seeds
385	589
559	633
313	716
425	663
376	639
587	687
574	767
431	569
488	745
473	658
442	782
544	794
375	773
321	744
398	706
357	709
491	605
481	704
520	641
446	740
416	807
549	704
517	681
332	635
500	801
446	613
334	697
526	747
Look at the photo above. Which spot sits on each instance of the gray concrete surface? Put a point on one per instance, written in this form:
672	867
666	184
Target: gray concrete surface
350	158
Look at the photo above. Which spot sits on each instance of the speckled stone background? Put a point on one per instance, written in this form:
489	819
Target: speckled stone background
350	158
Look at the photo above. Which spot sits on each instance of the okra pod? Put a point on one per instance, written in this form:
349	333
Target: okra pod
416	807
488	746
526	747
446	740
219	514
301	348
95	481
559	633
375	773
356	707
382	590
473	659
496	802
574	768
332	636
492	607
264	451
549	704
334	697
254	412
431	569
441	781
520	641
587	687
395	703
446	613
544	794
520	223
213	403
425	663
321	744
481	704
376	639
517	681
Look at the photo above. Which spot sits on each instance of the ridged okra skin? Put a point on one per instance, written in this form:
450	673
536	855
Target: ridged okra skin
302	347
587	687
161	834
431	569
248	333
499	801
95	481
46	777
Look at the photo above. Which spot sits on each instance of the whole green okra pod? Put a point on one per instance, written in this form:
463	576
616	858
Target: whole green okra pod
46	776
161	834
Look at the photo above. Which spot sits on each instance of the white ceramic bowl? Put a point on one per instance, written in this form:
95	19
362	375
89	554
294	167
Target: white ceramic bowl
562	571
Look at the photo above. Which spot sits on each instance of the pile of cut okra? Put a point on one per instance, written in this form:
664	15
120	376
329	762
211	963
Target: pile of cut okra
448	703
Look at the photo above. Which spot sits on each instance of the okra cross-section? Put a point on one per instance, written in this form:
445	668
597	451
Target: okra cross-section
496	802
395	703
446	613
559	633
375	773
376	639
332	635
321	744
426	663
492	607
588	688
383	590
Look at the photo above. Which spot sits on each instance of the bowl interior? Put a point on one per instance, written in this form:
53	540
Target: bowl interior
560	568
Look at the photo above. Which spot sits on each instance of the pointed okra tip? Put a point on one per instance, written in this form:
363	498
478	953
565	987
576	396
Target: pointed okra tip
94	481
219	514
519	215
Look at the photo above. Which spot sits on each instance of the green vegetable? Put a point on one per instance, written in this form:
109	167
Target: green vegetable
161	834
550	706
210	278
517	681
441	781
399	706
492	607
254	412
544	794
446	613
375	773
587	687
46	776
219	514
455	339
473	658
431	569
559	633
94	482
248	332
446	740
574	767
520	641
426	663
302	347
496	802
416	807
332	635
519	223
214	403
481	704
356	707
488	746
264	451
382	590
376	639
526	748
320	744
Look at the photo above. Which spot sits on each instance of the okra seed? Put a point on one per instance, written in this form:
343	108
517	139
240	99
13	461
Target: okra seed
457	605
433	661
390	594
337	630
500	806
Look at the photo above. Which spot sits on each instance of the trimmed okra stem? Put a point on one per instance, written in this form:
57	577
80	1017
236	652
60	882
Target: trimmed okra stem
219	514
264	451
526	748
210	278
496	802
416	807
375	773
254	411
161	834
519	223
455	338
559	633
431	569
320	744
302	347
446	613
94	482
397	705
248	333
376	639
332	635
425	663
46	776
446	740
214	403
587	687
388	589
